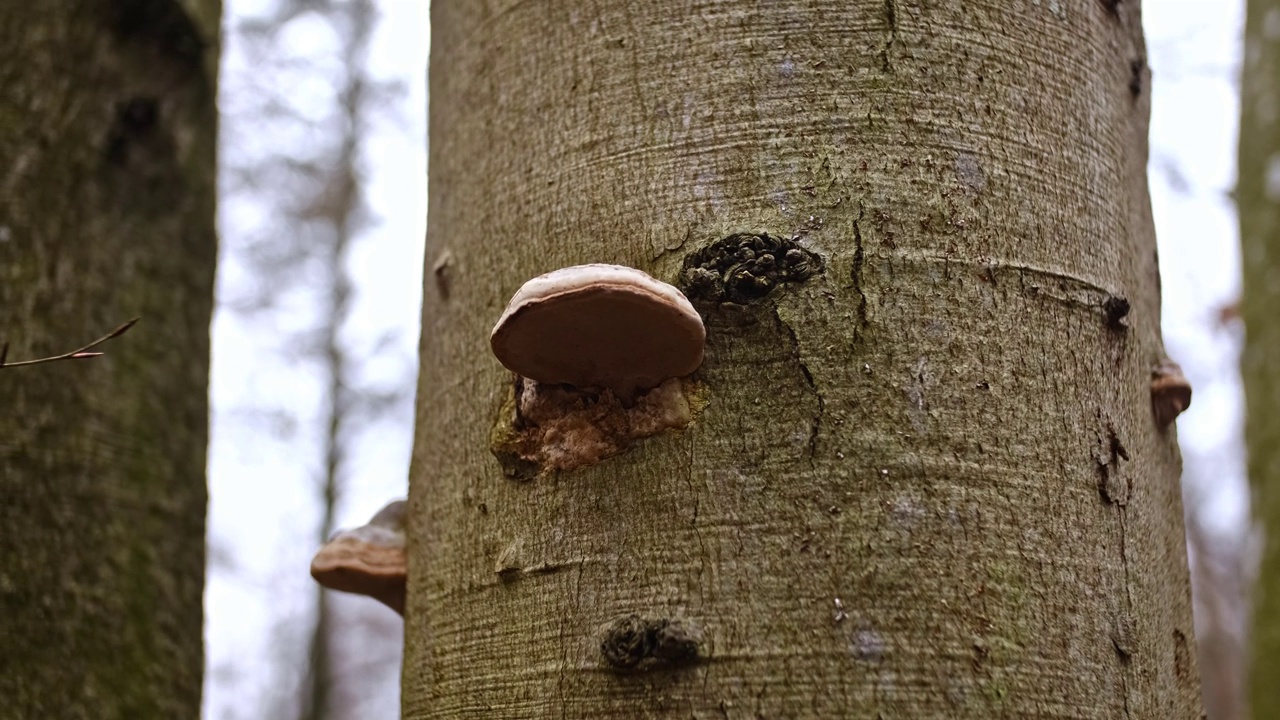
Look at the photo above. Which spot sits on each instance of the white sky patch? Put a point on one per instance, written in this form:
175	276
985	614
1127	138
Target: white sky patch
1195	50
263	461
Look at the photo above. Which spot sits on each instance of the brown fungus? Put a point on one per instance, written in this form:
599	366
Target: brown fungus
369	560
1170	392
599	327
602	356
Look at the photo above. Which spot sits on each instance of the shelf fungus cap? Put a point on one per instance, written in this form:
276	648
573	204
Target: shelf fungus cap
369	560
1170	392
599	326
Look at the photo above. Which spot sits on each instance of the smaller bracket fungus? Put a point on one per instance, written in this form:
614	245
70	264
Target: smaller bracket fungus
599	327
1170	392
369	560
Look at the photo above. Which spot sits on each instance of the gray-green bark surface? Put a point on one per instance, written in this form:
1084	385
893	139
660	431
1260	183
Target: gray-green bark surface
107	182
928	482
1258	194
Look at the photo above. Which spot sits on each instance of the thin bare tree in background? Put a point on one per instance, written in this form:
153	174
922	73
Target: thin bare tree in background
338	208
1220	587
316	194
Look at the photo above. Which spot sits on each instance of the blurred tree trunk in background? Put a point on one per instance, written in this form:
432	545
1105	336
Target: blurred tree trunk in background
302	104
1219	578
107	196
338	205
1258	196
928	482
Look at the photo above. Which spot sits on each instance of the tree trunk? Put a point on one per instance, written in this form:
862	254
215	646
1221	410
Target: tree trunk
107	182
1258	195
927	482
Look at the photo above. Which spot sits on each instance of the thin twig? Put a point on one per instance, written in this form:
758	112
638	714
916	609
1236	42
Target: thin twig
80	353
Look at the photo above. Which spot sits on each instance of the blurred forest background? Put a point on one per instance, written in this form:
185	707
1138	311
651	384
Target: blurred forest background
322	216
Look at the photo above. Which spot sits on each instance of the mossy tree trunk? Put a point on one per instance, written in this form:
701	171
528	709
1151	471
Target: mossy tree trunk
107	182
928	482
1258	195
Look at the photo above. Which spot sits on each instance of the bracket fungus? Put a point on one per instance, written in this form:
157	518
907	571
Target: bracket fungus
1170	392
599	326
369	560
601	354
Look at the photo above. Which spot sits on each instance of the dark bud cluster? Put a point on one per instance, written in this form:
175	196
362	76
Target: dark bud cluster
744	267
632	641
1116	308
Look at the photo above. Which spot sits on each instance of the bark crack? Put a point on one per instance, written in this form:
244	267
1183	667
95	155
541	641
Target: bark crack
1128	601
859	258
702	546
891	18
815	426
564	645
1070	290
1116	488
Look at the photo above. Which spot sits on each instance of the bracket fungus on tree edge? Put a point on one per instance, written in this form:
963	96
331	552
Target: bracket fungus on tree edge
1170	392
599	352
369	560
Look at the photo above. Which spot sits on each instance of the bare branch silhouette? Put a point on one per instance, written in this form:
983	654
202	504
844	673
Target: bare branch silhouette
80	353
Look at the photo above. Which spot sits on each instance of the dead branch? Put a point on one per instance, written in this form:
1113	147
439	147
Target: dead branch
80	353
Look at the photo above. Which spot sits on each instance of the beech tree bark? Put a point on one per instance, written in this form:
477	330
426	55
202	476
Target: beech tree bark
1258	197
928	481
107	182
